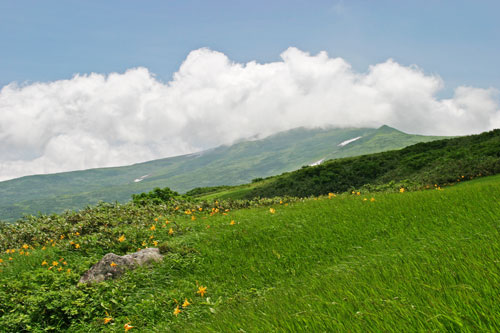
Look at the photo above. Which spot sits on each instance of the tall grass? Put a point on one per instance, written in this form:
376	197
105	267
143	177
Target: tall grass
412	261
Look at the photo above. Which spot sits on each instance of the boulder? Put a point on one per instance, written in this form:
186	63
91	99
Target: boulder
111	266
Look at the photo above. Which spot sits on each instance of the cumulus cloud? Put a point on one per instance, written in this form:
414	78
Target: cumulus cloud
107	120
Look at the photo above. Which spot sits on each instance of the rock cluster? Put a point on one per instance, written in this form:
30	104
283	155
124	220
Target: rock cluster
112	266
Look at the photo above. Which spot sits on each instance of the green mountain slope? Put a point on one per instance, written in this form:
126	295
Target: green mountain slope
225	165
422	261
439	162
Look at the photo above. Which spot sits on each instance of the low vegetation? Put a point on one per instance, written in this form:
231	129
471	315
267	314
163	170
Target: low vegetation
405	261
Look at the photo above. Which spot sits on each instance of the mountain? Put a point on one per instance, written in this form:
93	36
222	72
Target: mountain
224	165
423	165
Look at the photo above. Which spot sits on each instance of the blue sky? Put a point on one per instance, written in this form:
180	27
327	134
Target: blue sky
50	40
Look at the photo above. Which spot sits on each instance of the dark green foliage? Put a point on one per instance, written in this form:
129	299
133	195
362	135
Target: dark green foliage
157	196
439	162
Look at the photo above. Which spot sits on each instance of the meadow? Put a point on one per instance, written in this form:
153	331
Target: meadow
423	260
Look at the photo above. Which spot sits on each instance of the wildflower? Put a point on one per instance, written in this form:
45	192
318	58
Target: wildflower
193	218
71	242
187	212
61	237
77	246
401	190
171	231
232	222
200	209
26	253
365	199
202	291
1	260
65	263
358	193
127	327
107	320
112	264
144	243
21	252
372	199
156	219
151	237
10	258
155	243
208	226
60	269
167	221
177	208
26	246
331	195
177	311
121	238
55	263
186	303
77	233
68	271
153	228
272	210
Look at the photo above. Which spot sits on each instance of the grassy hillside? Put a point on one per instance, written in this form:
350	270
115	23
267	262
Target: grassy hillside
392	262
236	164
432	163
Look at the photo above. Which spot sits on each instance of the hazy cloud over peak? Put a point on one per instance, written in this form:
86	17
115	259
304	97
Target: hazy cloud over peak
100	120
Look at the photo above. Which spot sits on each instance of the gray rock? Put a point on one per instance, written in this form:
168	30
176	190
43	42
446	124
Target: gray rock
111	266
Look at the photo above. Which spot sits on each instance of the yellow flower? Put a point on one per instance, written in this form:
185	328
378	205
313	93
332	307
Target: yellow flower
186	303
151	237
272	210
156	219
68	271
107	320
171	231
187	212
193	218
365	199
202	291
177	311
331	195
372	199
112	264
27	253
77	246
232	222
71	242
10	258
55	263
200	209
167	221
1	260
65	263
153	228
77	233
60	269
155	243
358	193
401	190
44	248
26	246
208	226
127	327
144	243
121	238
62	237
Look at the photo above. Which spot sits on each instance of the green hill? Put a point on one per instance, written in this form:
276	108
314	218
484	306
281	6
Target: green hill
225	165
387	262
436	163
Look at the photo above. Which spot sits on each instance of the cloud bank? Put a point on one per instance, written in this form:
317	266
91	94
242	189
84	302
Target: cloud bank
108	120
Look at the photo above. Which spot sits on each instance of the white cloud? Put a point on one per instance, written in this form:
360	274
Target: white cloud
106	120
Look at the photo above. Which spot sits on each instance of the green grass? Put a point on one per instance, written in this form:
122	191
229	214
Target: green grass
413	261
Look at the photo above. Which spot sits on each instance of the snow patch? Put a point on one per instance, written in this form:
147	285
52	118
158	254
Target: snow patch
317	162
346	142
140	179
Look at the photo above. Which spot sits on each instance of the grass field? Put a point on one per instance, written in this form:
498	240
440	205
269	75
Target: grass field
410	261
